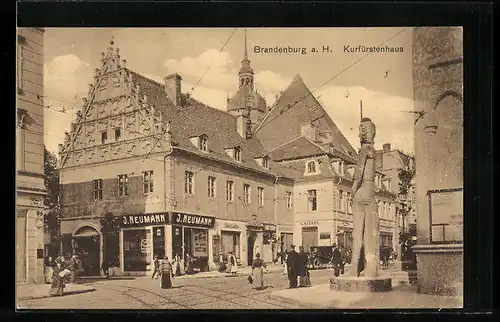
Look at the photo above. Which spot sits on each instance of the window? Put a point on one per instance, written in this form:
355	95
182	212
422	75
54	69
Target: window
147	179
202	141
20	62
311	167
104	137
246	193
122	185
289	199
313	202
230	191
260	196
118	134
237	154
188	182
211	187
265	162
341	200
349	202
97	185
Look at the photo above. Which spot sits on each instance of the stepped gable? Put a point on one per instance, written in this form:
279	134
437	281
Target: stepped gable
195	118
296	106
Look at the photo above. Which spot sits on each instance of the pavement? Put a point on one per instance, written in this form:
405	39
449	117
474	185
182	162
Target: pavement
40	291
241	271
402	296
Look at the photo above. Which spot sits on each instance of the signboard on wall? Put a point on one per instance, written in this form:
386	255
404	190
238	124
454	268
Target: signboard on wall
309	223
144	220
446	215
192	220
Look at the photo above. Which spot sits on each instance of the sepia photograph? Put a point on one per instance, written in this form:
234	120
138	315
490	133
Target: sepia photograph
239	168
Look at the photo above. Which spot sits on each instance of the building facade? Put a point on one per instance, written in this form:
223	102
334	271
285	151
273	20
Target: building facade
321	161
176	177
30	185
438	90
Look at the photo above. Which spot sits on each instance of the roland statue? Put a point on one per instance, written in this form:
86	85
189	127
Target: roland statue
365	252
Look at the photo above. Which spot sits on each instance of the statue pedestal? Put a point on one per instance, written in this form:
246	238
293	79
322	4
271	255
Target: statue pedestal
361	284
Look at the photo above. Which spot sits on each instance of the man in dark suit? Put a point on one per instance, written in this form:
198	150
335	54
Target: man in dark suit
291	263
336	260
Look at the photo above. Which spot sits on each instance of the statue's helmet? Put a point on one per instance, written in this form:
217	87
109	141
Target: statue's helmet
367	130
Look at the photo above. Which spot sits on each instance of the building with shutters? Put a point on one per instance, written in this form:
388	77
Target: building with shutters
30	187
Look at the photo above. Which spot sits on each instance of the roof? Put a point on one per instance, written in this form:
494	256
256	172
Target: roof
240	98
300	147
195	118
295	106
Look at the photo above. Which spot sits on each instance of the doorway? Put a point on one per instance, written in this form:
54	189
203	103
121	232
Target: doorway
309	237
87	246
252	236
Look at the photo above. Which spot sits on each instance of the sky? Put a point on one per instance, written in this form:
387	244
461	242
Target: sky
210	58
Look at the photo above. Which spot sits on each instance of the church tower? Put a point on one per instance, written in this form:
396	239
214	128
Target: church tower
247	101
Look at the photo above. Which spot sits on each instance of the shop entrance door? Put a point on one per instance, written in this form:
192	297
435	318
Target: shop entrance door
309	237
252	236
159	241
88	250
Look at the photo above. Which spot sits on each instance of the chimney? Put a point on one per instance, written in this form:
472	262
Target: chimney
308	130
173	88
386	147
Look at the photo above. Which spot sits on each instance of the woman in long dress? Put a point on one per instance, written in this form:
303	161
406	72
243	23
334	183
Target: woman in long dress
49	270
57	288
258	266
231	264
166	273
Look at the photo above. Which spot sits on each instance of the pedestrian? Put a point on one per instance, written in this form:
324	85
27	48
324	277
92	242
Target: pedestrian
285	268
302	267
343	258
291	264
336	260
231	264
105	267
72	266
49	269
156	269
258	266
177	265
189	264
58	275
166	273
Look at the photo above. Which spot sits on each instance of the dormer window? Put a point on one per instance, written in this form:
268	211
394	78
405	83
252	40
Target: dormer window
311	167
264	161
202	143
237	154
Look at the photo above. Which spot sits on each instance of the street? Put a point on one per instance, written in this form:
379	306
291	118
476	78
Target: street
187	293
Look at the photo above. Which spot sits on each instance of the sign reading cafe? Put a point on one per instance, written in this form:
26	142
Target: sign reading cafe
192	220
144	219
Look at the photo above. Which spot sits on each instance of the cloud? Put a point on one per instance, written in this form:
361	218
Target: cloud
66	80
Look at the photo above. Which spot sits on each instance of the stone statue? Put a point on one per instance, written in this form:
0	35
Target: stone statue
365	253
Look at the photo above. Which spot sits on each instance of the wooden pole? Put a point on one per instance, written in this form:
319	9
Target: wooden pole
361	108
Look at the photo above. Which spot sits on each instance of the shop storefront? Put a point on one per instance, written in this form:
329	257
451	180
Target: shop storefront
190	238
310	234
143	237
344	234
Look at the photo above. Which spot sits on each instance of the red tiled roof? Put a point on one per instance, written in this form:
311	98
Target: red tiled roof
294	107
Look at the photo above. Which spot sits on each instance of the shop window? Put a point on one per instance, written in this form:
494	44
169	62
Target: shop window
111	248
136	249
246	193
188	182
312	199
97	185
122	185
231	242
230	191
260	196
147	179
159	241
289	200
211	187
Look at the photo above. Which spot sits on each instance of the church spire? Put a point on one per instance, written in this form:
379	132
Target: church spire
245	74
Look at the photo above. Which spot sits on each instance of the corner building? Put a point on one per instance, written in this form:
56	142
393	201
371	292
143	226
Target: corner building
147	170
30	186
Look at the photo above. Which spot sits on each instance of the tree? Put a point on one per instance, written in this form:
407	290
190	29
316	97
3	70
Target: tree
51	218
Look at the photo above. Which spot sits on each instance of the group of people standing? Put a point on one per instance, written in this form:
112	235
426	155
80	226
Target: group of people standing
60	271
296	268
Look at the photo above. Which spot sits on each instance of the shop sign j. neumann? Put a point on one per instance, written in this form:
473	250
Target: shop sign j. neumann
144	219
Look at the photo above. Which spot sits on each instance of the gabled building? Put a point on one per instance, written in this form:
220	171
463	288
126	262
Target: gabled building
177	177
321	161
